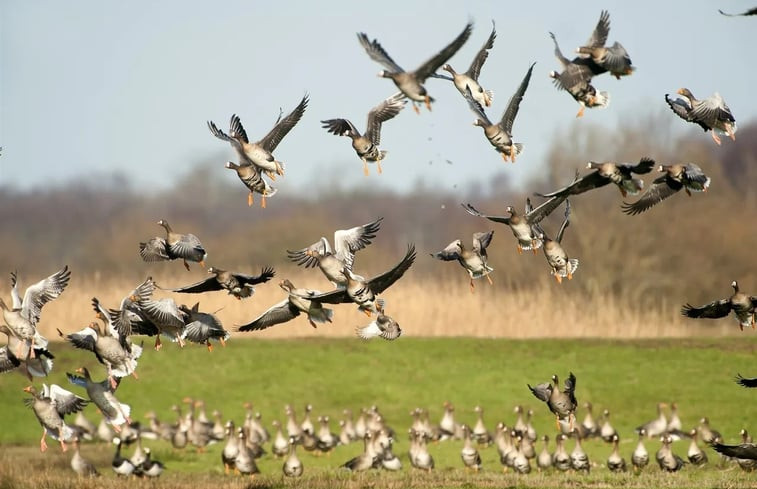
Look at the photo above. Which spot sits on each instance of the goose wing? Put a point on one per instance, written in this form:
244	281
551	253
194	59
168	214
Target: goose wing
429	67
377	53
39	294
382	113
514	104
483	53
475	212
279	313
713	310
282	128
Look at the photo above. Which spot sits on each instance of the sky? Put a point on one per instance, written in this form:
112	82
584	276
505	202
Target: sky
92	87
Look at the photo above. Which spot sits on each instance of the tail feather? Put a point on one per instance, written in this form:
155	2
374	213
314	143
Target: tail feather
517	149
602	100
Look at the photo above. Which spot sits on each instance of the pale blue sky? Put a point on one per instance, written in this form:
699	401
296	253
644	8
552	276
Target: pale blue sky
91	87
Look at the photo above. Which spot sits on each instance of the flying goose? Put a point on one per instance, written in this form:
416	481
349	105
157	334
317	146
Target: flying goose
366	145
751	11
561	403
50	405
473	259
297	301
613	58
746	382
238	284
254	181
499	134
410	83
621	174
746	451
333	261
384	326
173	246
742	305
711	114
260	153
167	317
576	80
469	80
130	319
686	176
102	395
201	327
34	363
557	258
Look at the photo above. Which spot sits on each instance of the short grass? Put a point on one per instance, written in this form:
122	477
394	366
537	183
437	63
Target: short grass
627	377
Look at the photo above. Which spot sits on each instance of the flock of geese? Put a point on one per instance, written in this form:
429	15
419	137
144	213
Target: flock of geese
109	336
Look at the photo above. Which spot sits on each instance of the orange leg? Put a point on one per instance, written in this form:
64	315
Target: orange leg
378	162
504	156
558	277
223	342
262	201
158	344
428	103
489	279
249	200
715	138
581	111
415	108
210	347
472	287
186	265
271	175
520	249
366	172
42	442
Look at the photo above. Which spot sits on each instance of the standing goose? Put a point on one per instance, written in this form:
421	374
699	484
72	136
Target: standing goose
711	114
469	453
544	459
367	459
522	226
499	134
707	434
363	292
230	449
201	327
479	433
473	259
292	465
640	455
695	454
333	261
173	246
557	258
260	153
469	80
102	395
244	462
606	430
50	406
679	176
80	465
615	462
297	301
579	460
384	326
666	459
240	285
280	445
621	174
410	83
254	181
151	468
589	424
576	80
23	316
121	465
561	403
742	305
367	145
561	459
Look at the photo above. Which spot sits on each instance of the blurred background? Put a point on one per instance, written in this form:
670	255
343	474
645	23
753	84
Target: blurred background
103	114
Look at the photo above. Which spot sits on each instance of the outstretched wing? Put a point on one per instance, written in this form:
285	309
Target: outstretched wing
383	112
39	294
712	109
544	209
661	189
475	212
598	37
514	104
483	53
208	285
156	249
377	53
744	382
279	313
683	110
570	388
752	11
743	451
265	275
565	223
451	252
541	391
644	166
66	402
340	127
282	128
481	242
382	282
580	185
429	67
713	310
475	106
219	133
349	241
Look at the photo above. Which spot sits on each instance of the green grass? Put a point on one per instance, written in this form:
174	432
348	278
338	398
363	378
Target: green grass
627	377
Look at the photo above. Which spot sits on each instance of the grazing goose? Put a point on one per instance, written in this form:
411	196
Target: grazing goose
50	406
742	305
34	363
172	247
384	326
151	468
333	261
751	11
621	174
522	226
695	454
473	259
230	449
606	429
469	80
80	465
615	462
367	145
469	453
499	134
576	80
201	327
254	181
24	315
656	427
666	459
561	403
561	458
121	465
544	460
244	462
101	394
707	434
297	301
560	264
260	153
711	114
640	456
363	292
579	461
130	319
410	83
679	176
239	285
613	58
292	465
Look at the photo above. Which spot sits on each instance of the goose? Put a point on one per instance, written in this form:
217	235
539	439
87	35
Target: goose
544	460
384	326
711	114
503	440
366	145
675	427
522	225
347	434
162	429
237	284
333	261
231	448
666	459
218	432
252	179
24	315
469	453
745	382
420	458
292	427
297	302
260	153
521	463
479	433
615	58
121	466
292	465
102	395
686	176
561	403
745	453
327	440
139	456
36	362
280	445
560	264
129	319
387	458
80	465
561	458
695	454
576	80
173	246
751	11
365	460
168	318
448	427
469	80
201	327
151	468
640	456
244	462
363	292
742	305
50	406
474	259
657	426
520	424
579	461
86	428
499	133
410	83
620	174
707	434
530	430
590	426
606	430
615	462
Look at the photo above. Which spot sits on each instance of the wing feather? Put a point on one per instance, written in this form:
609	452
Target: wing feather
282	128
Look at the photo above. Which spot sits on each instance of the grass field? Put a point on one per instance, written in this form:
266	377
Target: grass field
628	377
